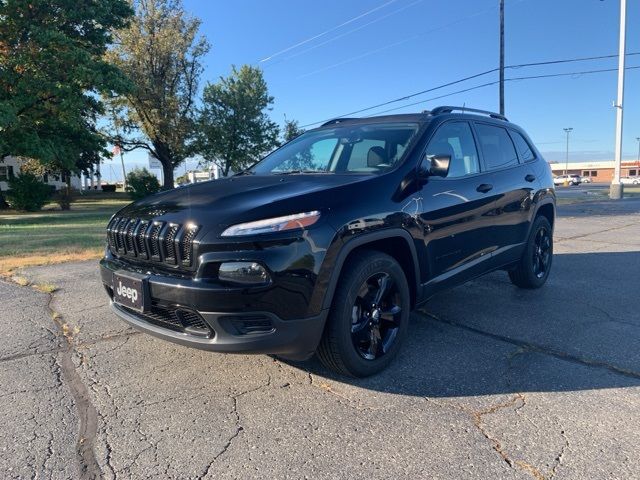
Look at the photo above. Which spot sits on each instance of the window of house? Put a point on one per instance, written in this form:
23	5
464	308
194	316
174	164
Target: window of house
522	146
6	172
594	173
633	173
497	147
456	140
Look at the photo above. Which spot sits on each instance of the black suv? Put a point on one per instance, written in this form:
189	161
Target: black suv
329	242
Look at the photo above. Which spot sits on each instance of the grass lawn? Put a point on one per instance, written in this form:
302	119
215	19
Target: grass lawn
53	235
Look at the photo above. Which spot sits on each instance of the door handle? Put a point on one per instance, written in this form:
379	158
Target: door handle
484	187
530	178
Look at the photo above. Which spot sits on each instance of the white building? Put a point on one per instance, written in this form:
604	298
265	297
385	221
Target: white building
195	176
10	166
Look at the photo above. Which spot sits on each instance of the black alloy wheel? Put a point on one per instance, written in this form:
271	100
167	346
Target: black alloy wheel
534	267
542	252
369	315
376	315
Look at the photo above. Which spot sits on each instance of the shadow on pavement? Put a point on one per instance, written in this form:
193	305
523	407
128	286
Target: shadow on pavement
580	331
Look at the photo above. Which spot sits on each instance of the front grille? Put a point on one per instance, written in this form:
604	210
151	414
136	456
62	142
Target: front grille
155	241
174	319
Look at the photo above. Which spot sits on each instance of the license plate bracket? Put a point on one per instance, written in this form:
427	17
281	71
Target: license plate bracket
130	290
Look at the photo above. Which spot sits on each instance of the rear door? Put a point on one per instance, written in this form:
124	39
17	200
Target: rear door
515	182
456	210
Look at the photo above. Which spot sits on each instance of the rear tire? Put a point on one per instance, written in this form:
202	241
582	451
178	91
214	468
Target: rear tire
533	268
369	316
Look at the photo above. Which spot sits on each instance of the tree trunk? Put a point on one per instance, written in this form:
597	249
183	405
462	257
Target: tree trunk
3	204
167	175
163	154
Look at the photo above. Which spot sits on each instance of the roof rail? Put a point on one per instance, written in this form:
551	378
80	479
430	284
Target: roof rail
336	120
449	109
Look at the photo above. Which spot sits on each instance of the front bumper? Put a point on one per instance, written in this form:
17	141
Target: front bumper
267	333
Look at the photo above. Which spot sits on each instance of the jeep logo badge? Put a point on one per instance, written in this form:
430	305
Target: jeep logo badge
127	292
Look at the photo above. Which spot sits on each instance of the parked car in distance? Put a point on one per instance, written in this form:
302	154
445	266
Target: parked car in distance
586	180
570	179
328	243
635	180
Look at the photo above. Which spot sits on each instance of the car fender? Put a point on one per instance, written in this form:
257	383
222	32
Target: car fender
363	239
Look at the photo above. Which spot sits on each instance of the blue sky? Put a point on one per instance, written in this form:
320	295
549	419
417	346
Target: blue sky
391	48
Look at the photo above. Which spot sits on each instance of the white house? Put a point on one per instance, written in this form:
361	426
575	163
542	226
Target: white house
10	166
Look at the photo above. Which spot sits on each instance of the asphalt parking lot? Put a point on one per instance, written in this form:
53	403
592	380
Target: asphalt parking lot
494	382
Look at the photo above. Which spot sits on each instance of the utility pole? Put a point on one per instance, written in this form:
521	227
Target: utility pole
566	164
501	57
616	190
638	139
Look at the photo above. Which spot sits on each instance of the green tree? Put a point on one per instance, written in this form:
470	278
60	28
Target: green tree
52	71
291	130
141	183
161	52
234	128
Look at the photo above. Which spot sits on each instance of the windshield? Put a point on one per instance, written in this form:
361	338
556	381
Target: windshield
364	149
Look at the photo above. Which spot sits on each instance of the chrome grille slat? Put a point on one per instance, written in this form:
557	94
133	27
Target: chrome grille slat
129	243
149	240
186	246
154	240
120	234
169	243
141	243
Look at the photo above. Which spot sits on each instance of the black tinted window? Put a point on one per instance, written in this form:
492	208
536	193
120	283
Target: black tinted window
523	147
497	147
360	148
456	140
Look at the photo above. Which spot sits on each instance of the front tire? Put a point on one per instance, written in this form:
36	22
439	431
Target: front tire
533	268
369	316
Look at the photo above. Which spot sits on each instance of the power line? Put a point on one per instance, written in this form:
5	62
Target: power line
349	32
394	44
303	42
470	77
512	79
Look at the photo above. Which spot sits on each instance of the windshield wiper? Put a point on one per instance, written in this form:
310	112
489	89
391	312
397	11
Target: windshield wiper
294	172
244	172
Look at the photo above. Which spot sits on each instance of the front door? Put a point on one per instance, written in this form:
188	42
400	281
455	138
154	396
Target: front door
457	210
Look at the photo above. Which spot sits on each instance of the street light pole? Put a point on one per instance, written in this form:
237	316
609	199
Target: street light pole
501	57
566	164
616	190
638	139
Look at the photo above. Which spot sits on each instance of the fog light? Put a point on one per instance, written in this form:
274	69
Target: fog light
243	273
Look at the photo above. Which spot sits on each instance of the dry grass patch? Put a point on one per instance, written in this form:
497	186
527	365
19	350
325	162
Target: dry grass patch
45	287
8	265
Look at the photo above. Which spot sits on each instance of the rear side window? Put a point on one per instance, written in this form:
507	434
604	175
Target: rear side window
523	147
497	147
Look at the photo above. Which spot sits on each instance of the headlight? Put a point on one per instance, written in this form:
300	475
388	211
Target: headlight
276	224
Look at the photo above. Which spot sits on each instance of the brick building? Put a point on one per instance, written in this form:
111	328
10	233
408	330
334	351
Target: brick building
597	171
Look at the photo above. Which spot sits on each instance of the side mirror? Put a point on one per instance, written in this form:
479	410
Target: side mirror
436	165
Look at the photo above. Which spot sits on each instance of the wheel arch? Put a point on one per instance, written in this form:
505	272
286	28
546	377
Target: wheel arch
548	210
396	243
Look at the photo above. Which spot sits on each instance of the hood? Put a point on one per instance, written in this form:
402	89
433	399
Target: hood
243	198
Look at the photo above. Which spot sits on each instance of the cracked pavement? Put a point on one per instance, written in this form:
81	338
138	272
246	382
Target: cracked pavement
493	382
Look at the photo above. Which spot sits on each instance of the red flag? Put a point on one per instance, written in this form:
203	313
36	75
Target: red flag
116	149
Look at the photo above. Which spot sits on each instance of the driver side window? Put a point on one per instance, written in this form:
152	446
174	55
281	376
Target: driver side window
456	140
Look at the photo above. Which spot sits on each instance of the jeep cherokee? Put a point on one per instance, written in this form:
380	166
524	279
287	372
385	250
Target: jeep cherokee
329	242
